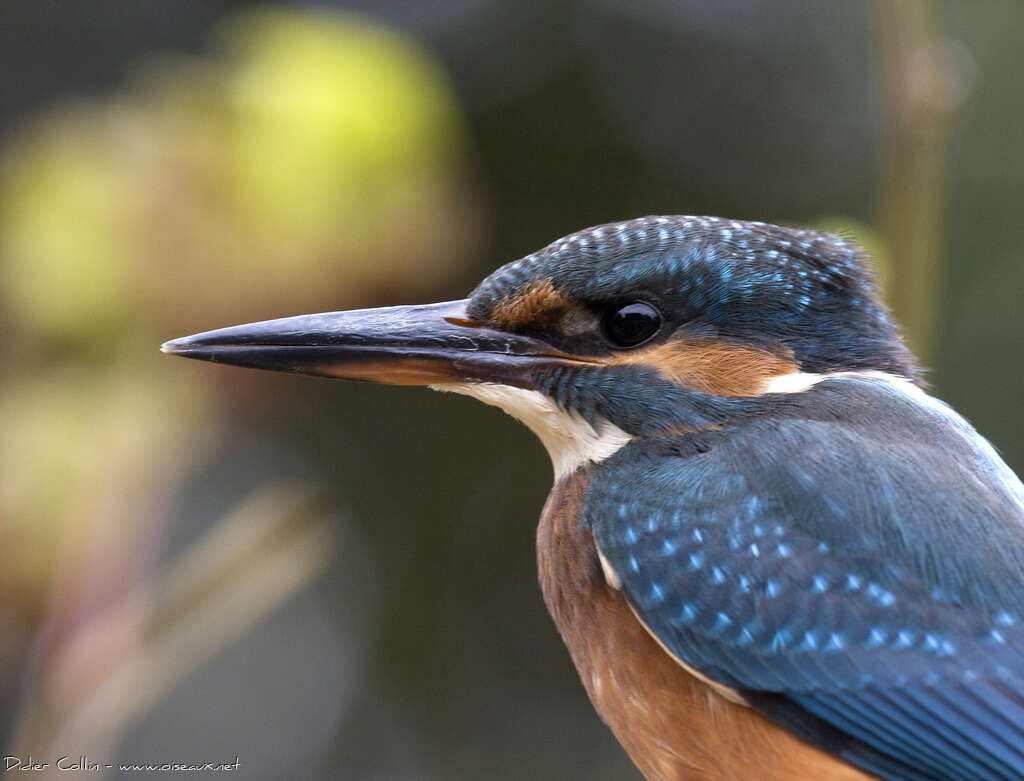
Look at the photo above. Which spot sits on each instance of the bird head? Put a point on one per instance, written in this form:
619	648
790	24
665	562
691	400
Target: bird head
614	332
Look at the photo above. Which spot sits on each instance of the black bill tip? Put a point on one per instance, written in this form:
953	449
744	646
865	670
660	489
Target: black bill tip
403	345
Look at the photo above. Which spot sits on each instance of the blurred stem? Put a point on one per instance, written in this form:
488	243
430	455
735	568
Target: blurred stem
925	81
245	566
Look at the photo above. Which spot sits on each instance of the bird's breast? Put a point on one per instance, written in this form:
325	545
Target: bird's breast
672	724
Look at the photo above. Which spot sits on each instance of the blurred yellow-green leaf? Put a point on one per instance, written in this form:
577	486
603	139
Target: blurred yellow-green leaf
331	115
63	212
313	148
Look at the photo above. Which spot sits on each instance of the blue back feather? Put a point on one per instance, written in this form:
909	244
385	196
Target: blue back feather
853	563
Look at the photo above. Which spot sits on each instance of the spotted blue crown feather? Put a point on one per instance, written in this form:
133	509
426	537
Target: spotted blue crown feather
746	281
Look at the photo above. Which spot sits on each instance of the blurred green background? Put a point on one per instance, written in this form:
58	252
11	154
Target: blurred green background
335	581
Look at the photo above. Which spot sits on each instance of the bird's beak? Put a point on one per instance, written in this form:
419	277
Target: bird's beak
398	345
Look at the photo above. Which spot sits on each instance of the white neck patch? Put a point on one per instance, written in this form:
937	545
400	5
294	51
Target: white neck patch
570	440
798	382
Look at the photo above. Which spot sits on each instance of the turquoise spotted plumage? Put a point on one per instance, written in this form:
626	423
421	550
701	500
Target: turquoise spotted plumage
865	586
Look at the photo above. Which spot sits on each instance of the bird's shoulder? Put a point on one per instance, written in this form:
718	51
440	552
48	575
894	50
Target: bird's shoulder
868	472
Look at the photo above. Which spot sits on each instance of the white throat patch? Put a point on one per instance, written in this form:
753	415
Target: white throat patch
570	440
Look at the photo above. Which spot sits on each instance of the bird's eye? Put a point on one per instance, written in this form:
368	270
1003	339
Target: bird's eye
630	325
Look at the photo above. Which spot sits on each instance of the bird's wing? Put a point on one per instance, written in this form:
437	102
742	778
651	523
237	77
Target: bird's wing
853	565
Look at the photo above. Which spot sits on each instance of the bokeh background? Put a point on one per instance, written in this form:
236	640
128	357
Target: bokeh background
335	581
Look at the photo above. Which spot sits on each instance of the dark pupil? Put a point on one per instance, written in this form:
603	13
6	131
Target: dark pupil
631	324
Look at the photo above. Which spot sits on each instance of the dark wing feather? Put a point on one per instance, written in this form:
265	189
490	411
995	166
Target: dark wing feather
853	563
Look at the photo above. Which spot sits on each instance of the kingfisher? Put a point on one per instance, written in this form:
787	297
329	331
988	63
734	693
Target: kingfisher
770	552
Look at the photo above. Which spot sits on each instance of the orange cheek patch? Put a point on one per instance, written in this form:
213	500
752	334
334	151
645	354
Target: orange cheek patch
718	368
539	305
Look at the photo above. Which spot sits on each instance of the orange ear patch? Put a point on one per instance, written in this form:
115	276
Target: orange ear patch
538	305
718	368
